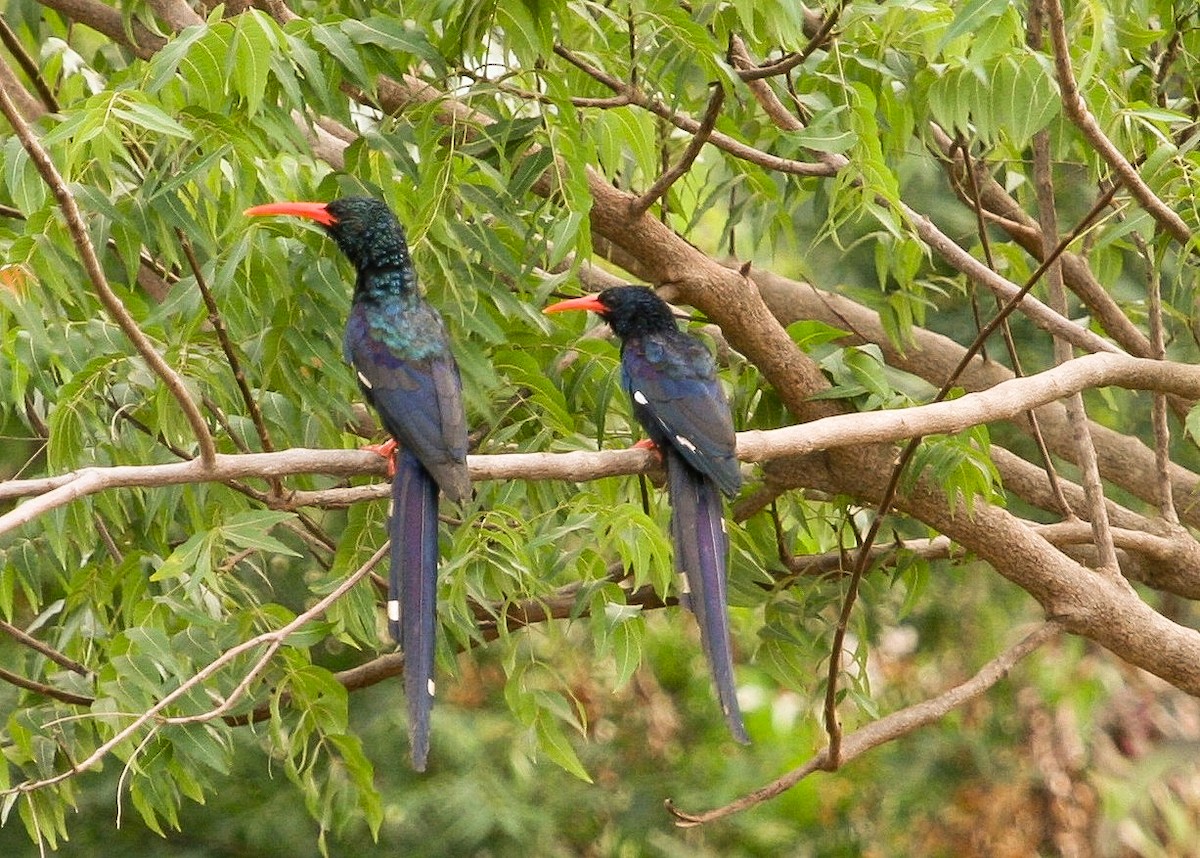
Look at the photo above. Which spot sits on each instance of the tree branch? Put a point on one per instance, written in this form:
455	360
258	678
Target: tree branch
1077	110
884	730
663	183
153	715
1076	415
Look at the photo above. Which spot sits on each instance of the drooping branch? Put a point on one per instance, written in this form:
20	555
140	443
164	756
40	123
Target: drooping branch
91	263
884	730
153	717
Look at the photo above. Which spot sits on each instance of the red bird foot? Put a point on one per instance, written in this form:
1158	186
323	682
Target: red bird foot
647	444
388	450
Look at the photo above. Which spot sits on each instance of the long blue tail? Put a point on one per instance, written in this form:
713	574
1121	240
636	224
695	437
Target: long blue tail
412	592
701	546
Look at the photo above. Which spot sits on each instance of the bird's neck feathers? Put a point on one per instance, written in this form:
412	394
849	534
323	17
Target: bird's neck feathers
380	256
377	249
385	283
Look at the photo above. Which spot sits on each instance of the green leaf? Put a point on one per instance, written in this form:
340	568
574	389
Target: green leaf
627	636
22	179
250	530
249	64
392	35
165	63
133	111
970	16
339	46
553	742
1023	98
194	556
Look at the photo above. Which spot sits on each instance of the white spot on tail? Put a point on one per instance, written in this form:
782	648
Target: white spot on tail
685	443
639	397
393	609
431	688
364	381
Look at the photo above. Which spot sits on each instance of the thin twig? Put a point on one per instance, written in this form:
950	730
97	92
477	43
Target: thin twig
48	651
724	142
510	616
882	731
153	715
786	64
44	689
1077	111
1162	429
1006	335
1085	450
663	183
218	323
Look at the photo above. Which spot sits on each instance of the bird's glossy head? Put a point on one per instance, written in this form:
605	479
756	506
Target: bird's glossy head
363	227
629	310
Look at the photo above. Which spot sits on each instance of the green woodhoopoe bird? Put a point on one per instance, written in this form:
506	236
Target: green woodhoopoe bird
399	347
670	377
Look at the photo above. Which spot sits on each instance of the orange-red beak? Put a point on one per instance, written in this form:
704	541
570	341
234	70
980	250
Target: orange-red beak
587	302
313	211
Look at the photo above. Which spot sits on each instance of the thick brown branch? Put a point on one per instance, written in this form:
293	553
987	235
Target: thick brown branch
109	21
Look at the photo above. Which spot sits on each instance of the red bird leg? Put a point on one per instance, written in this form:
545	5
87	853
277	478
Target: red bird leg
645	444
388	450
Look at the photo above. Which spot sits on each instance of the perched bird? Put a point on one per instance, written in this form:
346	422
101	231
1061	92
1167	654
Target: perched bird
671	379
399	347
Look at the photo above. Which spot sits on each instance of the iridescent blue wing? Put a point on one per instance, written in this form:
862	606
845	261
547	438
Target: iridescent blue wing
672	381
414	384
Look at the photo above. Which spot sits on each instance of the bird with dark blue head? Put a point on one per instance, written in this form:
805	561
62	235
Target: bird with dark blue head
670	377
398	345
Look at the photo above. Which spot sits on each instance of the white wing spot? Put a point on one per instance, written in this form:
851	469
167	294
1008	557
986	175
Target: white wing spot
685	443
431	688
366	382
393	609
640	398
